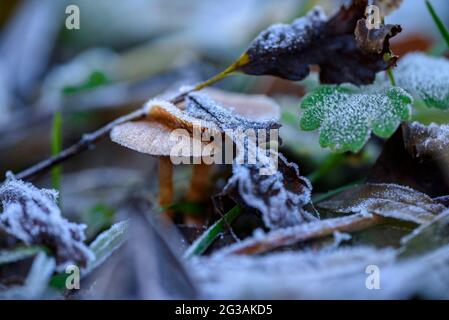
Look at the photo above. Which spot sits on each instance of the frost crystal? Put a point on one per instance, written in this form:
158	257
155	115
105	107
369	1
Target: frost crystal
387	200
425	77
346	116
279	197
295	36
203	107
32	216
431	140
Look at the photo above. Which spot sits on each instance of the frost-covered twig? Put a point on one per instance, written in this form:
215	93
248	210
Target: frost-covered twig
86	141
89	139
308	231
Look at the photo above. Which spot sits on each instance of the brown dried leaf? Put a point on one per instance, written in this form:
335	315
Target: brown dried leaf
386	200
288	51
423	141
307	231
399	164
280	197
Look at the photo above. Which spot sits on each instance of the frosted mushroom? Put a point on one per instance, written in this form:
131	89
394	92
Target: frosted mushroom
152	136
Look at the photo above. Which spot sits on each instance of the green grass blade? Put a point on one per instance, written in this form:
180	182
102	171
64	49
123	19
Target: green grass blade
208	237
443	30
56	147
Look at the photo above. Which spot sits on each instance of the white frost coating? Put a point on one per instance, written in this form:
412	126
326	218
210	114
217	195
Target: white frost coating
340	237
202	107
337	274
279	205
291	235
426	77
388	200
32	216
290	275
429	140
178	113
290	36
347	119
37	280
107	242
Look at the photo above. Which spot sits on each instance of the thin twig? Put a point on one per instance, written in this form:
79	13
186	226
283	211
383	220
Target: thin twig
89	139
304	232
86	141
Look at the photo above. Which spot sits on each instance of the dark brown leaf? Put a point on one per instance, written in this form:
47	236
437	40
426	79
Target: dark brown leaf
341	46
399	164
386	200
280	197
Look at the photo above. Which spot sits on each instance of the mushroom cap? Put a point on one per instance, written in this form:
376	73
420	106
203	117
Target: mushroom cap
153	135
255	107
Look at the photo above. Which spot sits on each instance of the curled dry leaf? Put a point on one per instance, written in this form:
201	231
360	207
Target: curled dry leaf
423	141
32	216
280	197
386	200
341	46
397	164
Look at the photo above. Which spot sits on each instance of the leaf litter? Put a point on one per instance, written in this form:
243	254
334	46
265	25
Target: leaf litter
288	51
32	216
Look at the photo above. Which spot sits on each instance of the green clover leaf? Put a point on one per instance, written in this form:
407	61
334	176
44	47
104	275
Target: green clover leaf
346	116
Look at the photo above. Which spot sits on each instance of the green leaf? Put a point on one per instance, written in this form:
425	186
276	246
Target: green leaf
56	147
440	25
346	116
209	236
107	242
426	78
98	218
103	246
96	79
17	254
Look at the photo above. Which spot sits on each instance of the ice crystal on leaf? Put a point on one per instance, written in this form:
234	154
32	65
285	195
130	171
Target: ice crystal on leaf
430	141
32	216
387	200
289	50
346	116
426	78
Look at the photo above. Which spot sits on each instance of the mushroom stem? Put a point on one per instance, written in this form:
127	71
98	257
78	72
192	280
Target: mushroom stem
199	184
165	183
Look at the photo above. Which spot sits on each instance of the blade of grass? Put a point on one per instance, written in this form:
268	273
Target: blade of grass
208	237
56	147
330	194
443	30
332	161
